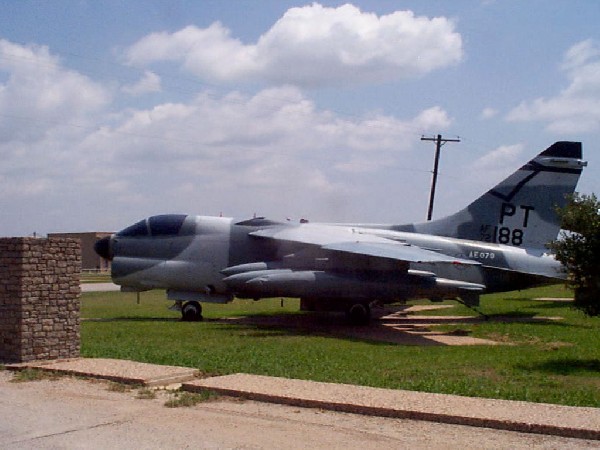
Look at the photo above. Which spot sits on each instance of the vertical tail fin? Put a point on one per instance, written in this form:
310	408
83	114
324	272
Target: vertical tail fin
521	210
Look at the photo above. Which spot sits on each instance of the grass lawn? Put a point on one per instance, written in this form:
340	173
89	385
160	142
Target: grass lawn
103	277
544	361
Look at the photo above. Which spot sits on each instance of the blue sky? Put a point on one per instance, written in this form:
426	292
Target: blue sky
111	111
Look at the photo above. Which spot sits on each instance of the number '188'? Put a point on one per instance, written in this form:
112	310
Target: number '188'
505	235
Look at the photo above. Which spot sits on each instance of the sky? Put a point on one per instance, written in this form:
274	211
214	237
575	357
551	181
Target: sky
113	111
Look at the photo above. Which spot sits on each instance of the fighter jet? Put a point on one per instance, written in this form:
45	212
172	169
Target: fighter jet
497	243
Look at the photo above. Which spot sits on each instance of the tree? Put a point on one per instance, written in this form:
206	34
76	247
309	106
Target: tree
578	249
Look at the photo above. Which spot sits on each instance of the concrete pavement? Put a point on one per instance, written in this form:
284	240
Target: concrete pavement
578	422
73	413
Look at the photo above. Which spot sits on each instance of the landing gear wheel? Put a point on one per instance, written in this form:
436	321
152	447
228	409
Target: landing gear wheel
191	312
359	314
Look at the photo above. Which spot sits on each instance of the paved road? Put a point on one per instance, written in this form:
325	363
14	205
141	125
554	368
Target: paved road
72	413
99	287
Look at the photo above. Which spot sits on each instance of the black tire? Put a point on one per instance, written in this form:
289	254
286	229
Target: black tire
191	312
359	314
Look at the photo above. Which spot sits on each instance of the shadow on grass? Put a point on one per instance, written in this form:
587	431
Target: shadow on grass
404	330
131	319
528	318
517	299
550	305
568	366
513	315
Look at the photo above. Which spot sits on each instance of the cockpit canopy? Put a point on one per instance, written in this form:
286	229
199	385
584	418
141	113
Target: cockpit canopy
162	225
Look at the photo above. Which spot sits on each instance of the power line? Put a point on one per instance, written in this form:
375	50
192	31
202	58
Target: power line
439	141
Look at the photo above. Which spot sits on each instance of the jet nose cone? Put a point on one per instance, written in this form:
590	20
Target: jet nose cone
102	247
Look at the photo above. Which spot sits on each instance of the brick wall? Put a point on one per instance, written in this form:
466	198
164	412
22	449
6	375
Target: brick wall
39	299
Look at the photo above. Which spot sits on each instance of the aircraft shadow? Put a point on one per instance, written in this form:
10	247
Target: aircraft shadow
132	319
549	305
413	331
568	366
393	326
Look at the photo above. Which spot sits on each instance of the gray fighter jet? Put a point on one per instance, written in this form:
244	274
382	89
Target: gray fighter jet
497	243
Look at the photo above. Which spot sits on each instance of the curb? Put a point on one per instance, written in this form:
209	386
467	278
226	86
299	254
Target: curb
539	418
121	371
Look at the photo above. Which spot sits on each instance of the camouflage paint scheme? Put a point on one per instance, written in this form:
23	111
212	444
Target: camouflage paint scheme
495	244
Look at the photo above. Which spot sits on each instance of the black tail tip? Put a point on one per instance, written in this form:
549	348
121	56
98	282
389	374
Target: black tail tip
564	149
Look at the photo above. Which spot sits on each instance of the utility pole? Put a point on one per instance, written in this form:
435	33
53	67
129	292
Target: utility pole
439	141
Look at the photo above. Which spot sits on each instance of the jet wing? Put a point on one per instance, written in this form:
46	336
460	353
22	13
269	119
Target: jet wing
394	250
349	241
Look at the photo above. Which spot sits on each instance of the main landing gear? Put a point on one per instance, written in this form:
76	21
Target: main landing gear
358	311
359	314
191	312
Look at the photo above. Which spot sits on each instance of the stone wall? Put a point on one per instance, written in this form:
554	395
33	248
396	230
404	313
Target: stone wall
39	299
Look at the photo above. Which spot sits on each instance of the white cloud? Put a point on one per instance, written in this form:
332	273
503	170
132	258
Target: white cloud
311	46
277	131
237	149
209	52
432	118
488	113
46	110
150	82
576	109
40	94
69	149
580	54
495	165
505	155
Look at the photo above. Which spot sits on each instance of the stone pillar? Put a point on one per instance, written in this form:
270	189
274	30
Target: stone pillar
39	299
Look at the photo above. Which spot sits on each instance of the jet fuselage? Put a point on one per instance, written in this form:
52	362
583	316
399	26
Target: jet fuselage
190	255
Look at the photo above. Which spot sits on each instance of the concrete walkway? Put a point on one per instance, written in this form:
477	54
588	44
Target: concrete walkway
510	415
119	370
99	287
520	416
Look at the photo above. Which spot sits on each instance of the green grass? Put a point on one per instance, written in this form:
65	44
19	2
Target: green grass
95	277
115	386
544	361
145	394
188	399
32	374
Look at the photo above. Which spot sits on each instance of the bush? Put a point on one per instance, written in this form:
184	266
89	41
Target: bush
578	249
